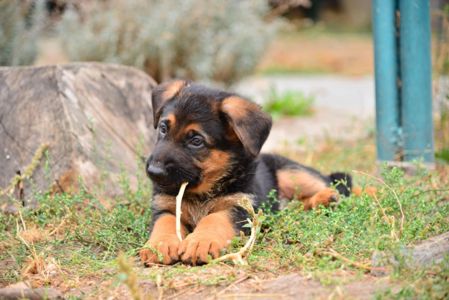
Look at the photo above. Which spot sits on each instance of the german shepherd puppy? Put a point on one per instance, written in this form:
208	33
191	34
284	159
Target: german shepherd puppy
211	139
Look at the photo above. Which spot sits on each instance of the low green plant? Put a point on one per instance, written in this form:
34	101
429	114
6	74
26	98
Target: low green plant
289	103
85	234
403	212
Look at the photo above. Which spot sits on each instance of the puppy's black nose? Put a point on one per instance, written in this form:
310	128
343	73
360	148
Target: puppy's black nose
155	171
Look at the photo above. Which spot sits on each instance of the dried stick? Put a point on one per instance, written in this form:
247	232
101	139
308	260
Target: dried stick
240	256
366	267
178	209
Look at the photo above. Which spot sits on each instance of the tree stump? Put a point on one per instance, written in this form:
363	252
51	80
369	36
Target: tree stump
94	120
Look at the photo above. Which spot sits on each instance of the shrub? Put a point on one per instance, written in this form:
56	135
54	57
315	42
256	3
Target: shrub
289	103
18	33
197	39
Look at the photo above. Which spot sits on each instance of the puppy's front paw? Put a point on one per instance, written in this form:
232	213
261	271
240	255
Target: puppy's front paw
163	249
197	246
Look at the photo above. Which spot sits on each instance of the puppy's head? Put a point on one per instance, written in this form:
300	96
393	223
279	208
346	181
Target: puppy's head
202	133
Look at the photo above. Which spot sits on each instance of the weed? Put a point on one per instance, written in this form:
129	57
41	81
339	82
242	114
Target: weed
289	103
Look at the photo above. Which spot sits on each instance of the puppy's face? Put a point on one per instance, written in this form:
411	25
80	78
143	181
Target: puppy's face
201	134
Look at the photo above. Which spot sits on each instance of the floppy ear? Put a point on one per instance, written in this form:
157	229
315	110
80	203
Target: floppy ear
162	94
249	122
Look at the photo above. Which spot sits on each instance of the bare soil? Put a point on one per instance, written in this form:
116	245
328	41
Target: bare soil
346	54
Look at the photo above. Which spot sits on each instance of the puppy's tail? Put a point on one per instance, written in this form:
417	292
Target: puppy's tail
342	182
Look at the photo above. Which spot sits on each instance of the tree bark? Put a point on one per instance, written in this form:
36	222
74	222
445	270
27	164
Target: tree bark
95	118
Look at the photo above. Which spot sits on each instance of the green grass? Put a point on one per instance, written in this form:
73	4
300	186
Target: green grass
289	103
357	227
85	236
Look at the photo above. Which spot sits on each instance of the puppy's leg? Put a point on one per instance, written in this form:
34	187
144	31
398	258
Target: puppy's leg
323	197
305	186
213	233
163	241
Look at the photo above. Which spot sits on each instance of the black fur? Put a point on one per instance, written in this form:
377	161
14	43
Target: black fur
176	160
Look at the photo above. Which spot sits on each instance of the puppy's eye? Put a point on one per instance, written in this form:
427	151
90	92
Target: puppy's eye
196	142
163	129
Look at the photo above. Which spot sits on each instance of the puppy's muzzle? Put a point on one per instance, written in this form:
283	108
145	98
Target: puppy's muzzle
156	172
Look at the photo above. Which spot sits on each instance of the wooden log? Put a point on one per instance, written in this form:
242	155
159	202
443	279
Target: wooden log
94	117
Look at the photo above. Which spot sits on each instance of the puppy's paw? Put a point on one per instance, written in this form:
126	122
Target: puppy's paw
163	249
324	197
197	247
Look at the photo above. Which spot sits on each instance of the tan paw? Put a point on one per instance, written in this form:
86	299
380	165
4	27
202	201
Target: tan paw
324	197
163	249
197	247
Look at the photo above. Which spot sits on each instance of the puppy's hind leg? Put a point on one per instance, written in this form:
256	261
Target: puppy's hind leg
307	187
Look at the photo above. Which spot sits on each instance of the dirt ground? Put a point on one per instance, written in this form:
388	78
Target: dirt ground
247	284
304	53
315	52
289	286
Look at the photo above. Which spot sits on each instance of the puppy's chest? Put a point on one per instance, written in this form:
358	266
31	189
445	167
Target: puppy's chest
193	210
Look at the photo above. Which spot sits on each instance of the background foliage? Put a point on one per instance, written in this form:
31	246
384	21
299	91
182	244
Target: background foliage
197	39
18	33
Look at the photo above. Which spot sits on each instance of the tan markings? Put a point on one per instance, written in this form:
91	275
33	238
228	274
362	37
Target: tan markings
192	127
171	119
250	124
214	168
165	202
162	94
238	107
323	197
172	89
231	135
298	184
357	190
213	233
166	224
194	211
369	190
163	239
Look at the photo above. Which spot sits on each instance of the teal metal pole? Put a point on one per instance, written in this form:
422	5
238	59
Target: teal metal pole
417	123
386	73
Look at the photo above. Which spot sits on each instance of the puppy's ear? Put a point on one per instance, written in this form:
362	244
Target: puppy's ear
162	94
249	122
